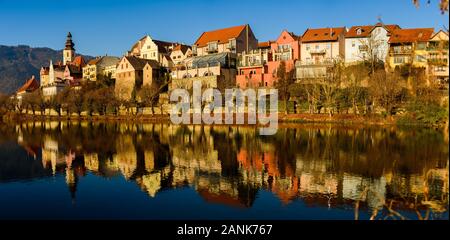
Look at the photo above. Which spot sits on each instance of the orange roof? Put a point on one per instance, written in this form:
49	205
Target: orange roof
353	31
220	35
94	61
181	47
411	35
322	34
79	61
264	44
30	85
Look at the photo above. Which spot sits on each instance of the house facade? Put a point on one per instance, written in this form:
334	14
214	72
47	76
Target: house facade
320	49
409	46
30	86
180	53
100	67
214	70
148	48
367	43
258	68
132	73
438	58
233	39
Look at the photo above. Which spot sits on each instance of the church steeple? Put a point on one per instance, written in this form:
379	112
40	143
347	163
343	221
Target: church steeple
69	50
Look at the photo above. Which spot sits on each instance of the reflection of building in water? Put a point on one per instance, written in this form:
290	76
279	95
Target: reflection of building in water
228	165
125	156
51	156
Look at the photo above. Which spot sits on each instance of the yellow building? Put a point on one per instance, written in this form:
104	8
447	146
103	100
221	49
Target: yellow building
100	67
438	57
409	46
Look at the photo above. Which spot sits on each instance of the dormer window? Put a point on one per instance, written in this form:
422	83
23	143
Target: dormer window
358	31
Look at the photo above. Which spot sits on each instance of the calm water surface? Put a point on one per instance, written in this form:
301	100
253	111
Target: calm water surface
83	170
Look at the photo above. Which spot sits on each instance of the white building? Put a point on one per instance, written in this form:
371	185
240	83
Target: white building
148	48
360	40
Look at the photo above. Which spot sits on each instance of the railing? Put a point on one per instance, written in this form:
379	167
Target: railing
438	61
400	51
252	63
317	51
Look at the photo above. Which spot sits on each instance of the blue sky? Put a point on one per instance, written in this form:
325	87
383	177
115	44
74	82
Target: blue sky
112	26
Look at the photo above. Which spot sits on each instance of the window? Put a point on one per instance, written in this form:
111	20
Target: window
145	55
399	60
129	74
317	47
353	44
212	46
307	48
421	58
421	46
359	31
126	66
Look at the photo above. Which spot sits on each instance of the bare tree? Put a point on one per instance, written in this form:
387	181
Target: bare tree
385	88
148	96
284	80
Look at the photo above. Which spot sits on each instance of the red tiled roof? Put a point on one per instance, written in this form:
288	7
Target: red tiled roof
322	34
30	85
411	35
181	47
94	61
220	35
264	44
353	31
79	61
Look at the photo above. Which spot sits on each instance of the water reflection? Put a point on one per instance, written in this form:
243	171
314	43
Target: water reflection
385	173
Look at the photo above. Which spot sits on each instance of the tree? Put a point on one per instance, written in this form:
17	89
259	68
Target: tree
443	4
74	101
354	77
386	89
284	80
148	95
331	84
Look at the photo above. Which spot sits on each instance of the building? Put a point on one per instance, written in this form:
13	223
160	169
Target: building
409	47
233	39
100	67
30	86
438	57
67	73
148	48
368	43
320	49
214	70
258	68
180	53
132	73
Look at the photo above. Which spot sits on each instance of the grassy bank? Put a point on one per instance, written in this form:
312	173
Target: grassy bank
374	119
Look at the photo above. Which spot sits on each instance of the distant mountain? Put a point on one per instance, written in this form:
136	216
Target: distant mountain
18	63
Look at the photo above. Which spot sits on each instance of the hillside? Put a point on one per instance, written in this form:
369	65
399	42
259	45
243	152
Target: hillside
17	63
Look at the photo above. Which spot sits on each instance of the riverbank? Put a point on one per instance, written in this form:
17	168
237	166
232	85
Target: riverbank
373	119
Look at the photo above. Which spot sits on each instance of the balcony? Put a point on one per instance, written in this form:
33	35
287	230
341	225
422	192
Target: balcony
251	63
438	61
317	51
401	50
211	49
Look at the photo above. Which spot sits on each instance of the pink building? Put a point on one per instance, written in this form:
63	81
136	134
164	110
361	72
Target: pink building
258	68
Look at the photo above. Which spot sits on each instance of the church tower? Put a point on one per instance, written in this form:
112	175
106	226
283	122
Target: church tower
69	51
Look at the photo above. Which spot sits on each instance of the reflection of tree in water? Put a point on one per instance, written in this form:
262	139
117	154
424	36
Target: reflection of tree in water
370	168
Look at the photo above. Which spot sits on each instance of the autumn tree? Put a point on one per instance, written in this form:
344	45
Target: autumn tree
443	4
386	89
148	96
284	80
